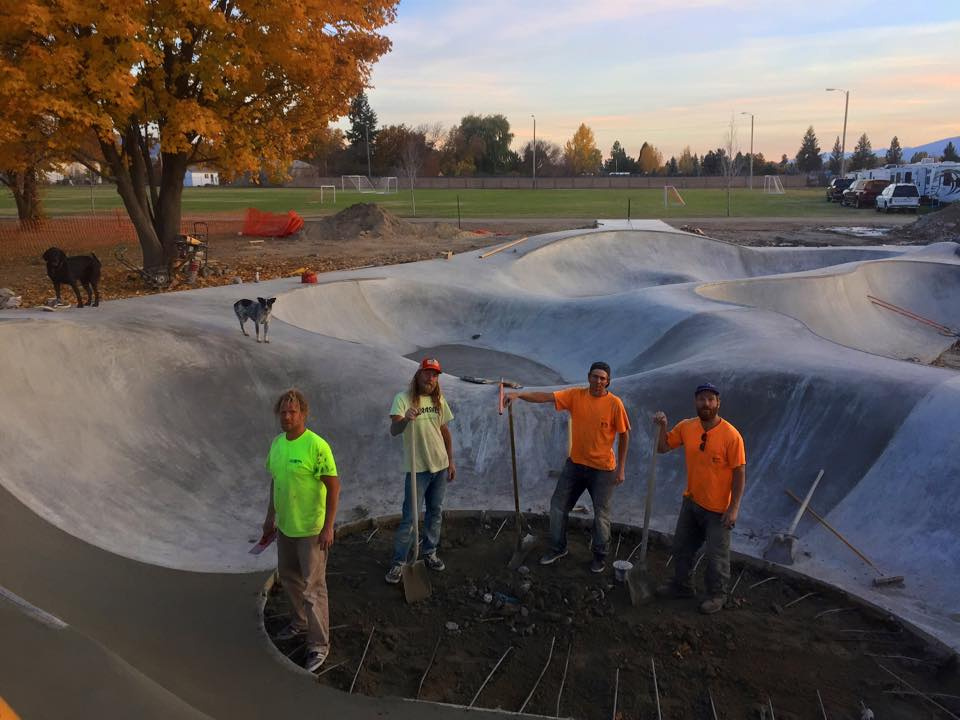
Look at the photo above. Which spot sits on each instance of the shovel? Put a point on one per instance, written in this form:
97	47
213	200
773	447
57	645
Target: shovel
639	583
416	583
525	542
783	545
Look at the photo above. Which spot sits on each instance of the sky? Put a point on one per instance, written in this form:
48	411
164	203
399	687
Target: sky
676	72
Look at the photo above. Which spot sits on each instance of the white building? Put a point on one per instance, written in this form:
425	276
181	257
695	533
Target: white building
199	177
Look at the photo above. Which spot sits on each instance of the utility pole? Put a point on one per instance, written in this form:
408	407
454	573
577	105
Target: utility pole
751	147
843	142
534	150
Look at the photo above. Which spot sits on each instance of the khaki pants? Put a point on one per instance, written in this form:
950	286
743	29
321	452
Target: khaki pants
302	567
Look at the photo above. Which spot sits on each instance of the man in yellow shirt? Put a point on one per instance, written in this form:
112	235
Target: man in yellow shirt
304	491
716	476
597	419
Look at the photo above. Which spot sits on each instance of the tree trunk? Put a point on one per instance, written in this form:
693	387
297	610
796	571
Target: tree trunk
26	194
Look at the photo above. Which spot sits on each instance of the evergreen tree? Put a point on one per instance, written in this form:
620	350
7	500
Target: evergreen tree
918	156
950	153
673	169
619	161
808	157
697	168
863	157
895	152
362	120
836	157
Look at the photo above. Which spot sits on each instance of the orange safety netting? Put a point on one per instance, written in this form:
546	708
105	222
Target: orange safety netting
267	224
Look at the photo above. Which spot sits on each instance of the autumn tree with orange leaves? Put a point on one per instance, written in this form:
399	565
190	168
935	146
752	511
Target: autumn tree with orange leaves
164	84
581	152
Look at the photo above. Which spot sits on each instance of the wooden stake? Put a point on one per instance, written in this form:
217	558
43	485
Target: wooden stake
616	690
370	536
713	708
429	665
504	657
921	694
823	710
563	679
332	667
739	578
831	612
656	689
540	677
765	580
362	657
770	705
802	597
499	529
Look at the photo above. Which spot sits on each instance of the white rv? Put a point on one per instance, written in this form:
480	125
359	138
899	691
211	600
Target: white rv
936	181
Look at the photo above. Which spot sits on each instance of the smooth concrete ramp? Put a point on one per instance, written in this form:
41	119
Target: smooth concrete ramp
134	435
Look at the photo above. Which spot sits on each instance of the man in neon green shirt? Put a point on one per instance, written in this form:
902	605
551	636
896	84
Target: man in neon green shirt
304	490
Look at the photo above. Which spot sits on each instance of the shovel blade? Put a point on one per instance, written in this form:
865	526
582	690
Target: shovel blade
416	583
523	549
781	549
640	585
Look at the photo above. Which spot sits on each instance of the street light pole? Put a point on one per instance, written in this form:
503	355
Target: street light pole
751	147
843	142
534	150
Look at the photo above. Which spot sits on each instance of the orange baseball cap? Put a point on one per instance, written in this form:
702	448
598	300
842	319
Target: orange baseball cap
430	364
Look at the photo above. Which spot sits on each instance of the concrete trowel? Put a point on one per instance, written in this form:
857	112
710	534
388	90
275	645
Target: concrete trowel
416	582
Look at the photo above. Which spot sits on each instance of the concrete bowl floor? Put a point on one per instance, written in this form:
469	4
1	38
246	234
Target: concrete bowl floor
134	434
780	637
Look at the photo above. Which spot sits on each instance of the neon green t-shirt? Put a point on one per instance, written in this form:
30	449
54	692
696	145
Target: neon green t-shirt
431	452
299	496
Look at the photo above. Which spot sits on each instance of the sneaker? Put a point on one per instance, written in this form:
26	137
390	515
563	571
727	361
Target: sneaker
315	658
394	574
712	605
598	565
551	556
433	562
289	633
672	590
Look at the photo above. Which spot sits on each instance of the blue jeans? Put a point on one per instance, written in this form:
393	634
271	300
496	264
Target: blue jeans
574	479
695	526
431	487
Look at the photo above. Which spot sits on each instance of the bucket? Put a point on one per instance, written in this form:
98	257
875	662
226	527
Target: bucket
621	568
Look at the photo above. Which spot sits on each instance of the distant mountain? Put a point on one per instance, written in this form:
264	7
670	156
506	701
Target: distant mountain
934	148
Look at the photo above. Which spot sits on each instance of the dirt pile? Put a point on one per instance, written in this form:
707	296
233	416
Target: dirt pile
780	638
937	226
371	221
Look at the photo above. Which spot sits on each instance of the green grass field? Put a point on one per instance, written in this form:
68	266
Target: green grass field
592	204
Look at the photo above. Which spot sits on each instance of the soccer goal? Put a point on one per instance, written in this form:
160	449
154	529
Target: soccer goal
332	188
363	184
672	195
772	185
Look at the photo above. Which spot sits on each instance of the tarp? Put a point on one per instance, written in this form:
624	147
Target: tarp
268	224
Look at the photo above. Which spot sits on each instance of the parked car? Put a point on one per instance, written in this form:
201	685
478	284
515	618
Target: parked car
863	193
899	196
836	187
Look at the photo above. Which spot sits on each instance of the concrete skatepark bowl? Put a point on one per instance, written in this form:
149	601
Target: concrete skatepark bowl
133	439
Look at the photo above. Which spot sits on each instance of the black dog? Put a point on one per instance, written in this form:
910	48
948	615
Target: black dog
82	269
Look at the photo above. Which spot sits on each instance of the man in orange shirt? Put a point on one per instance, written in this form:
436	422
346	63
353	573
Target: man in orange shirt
597	419
716	475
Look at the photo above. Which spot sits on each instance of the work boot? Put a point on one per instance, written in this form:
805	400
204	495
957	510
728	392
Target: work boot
289	633
672	590
433	562
394	574
598	565
316	656
551	556
713	604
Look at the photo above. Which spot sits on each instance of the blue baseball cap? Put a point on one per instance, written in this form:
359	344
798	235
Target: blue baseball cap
707	387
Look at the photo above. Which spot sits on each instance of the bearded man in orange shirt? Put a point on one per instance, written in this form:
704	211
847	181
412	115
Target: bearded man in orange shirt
716	476
597	418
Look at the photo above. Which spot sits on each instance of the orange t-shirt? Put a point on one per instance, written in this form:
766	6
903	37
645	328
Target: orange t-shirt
709	471
596	422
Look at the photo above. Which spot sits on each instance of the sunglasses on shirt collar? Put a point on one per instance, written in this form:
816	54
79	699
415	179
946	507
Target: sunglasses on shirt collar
703	442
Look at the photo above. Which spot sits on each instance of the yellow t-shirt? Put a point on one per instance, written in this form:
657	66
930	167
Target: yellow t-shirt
425	431
299	495
595	421
709	471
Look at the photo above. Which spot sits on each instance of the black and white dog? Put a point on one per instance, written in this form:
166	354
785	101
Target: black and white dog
82	269
258	311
